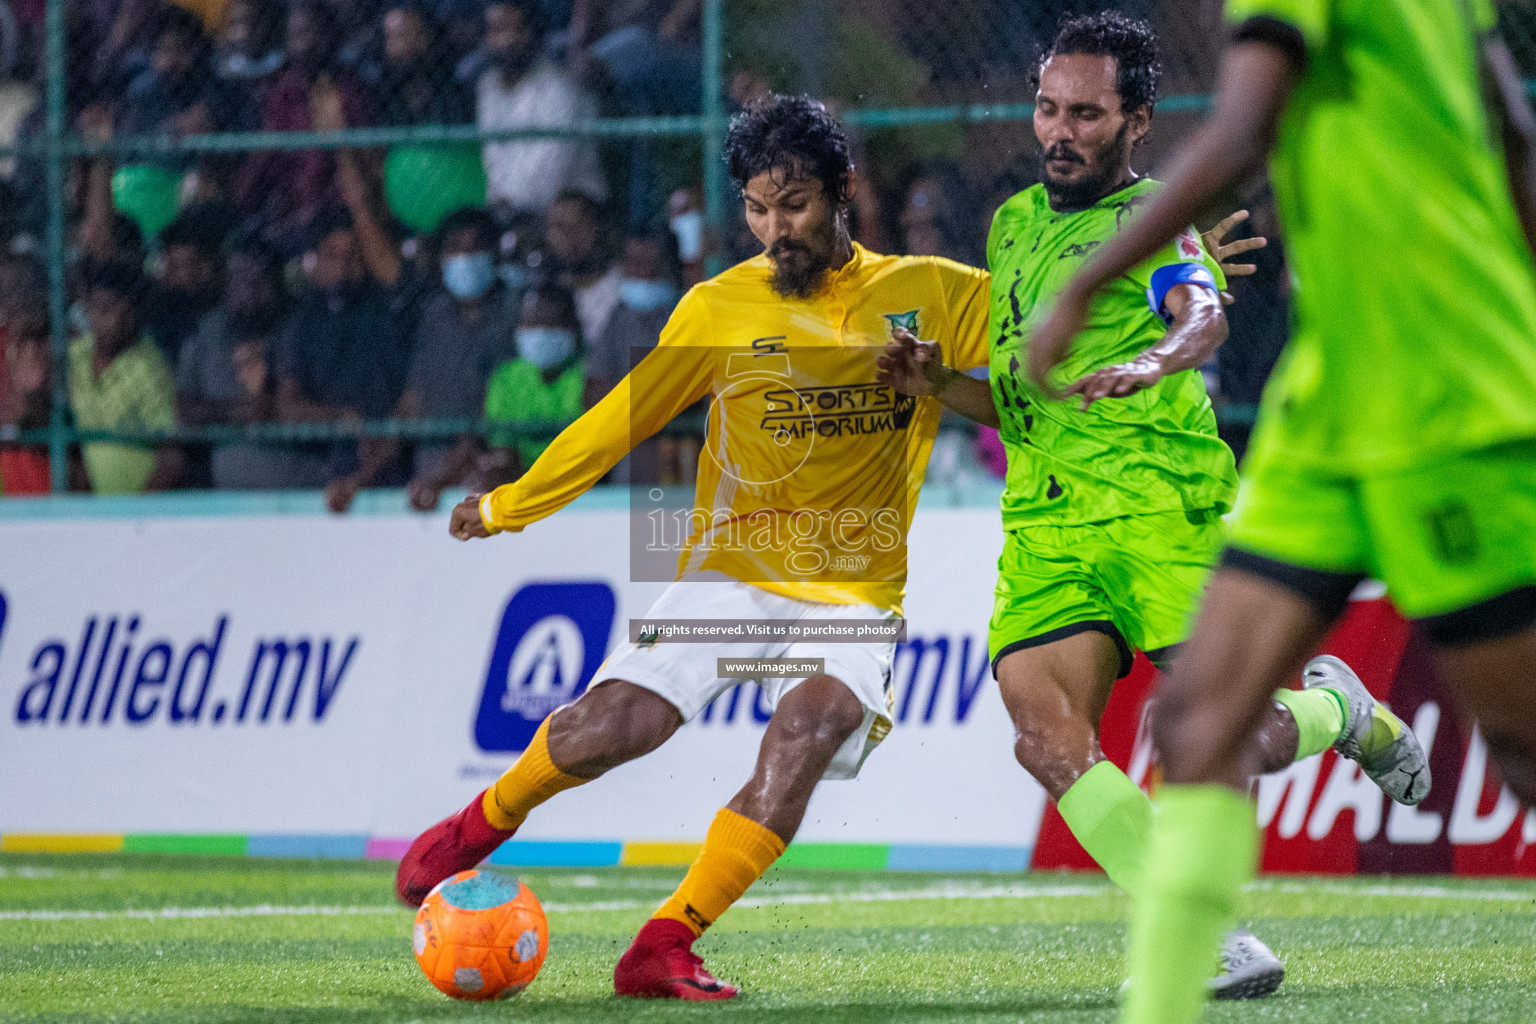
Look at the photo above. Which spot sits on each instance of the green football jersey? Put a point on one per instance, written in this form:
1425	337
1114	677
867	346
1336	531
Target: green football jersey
1414	297
1156	451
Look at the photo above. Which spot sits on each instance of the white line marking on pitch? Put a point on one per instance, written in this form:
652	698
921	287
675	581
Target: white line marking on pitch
950	891
185	913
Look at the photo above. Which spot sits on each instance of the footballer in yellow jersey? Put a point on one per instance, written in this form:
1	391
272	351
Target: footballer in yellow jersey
810	468
806	486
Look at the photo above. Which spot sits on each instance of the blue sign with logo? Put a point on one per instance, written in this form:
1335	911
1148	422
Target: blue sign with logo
551	641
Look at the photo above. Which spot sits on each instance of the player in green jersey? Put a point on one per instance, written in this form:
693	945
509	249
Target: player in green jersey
1115	491
1398	435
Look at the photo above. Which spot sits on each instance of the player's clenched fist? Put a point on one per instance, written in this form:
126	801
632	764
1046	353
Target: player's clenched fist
911	366
465	521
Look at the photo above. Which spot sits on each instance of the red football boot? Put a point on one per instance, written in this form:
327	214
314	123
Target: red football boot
661	964
457	843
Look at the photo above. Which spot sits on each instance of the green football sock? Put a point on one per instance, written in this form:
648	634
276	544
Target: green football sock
1204	845
1319	715
1112	818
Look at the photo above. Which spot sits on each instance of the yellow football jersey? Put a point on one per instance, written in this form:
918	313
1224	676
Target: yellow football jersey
810	470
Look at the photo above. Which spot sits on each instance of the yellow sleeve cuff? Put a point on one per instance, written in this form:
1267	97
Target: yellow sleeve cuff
486	518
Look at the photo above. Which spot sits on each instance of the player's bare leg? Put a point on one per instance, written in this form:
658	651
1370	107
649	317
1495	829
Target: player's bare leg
811	722
1056	694
1252	635
610	724
1495	681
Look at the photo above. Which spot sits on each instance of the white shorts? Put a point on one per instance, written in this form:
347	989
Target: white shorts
685	674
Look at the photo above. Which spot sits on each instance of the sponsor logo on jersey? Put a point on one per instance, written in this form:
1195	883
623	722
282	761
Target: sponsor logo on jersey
906	320
836	411
549	644
1189	244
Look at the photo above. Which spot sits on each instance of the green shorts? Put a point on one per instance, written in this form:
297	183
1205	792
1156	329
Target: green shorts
1443	537
1137	579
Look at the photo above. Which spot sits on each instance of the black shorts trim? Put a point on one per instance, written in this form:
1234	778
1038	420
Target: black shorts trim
1163	656
1497	617
1328	592
1277	32
1089	626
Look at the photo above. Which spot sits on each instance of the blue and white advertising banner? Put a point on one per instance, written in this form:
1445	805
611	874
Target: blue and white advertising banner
309	674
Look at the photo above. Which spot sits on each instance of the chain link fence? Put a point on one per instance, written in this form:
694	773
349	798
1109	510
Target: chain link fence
290	243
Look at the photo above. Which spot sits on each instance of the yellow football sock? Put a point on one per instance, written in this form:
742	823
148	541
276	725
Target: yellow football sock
528	783
736	852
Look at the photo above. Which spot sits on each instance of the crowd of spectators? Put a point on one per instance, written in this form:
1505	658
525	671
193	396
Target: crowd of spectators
511	281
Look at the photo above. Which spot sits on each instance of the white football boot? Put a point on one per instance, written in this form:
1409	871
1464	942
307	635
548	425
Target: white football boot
1249	968
1374	738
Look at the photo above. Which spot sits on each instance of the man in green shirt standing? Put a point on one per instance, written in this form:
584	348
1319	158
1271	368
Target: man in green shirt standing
1398	436
1116	486
118	380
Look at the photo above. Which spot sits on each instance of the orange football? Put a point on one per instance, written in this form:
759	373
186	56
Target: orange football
481	935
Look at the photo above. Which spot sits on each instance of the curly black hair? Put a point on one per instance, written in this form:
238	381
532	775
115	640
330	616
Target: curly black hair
1130	41
471	218
789	135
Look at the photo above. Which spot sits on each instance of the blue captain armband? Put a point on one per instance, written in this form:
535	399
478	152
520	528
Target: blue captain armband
1165	278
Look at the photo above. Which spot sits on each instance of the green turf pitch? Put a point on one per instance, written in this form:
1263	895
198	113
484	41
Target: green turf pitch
87	938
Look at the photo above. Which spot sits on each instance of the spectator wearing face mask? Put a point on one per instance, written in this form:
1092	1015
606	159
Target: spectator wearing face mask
543	386
647	292
251	40
465	332
578	252
121	38
685	218
178	94
521	89
357	23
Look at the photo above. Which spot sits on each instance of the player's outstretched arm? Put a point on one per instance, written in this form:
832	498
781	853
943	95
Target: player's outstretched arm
1197	331
674	375
465	522
916	367
1256	81
1505	94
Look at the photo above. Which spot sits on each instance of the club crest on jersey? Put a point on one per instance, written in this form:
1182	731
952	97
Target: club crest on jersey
907	320
1189	244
